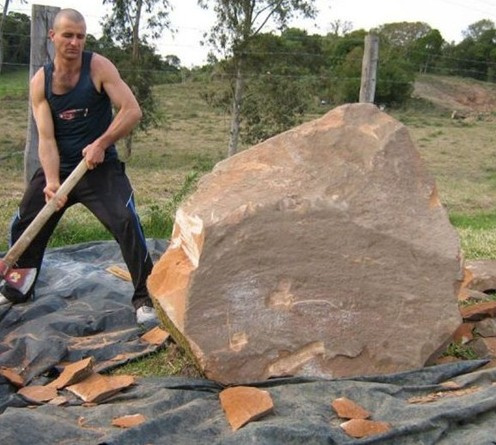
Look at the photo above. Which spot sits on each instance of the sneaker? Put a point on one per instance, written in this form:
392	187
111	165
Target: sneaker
146	315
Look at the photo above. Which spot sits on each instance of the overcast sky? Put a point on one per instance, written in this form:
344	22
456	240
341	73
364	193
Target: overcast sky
450	17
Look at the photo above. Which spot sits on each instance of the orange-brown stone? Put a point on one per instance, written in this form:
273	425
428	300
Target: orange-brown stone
243	404
285	248
348	409
12	376
359	428
129	421
479	311
38	393
97	387
74	373
156	336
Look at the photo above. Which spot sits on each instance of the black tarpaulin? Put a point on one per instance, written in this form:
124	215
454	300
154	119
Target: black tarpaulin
81	310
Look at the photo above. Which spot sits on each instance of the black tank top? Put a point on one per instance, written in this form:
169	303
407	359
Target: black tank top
79	116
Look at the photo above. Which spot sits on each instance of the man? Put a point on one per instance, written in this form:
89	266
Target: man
72	100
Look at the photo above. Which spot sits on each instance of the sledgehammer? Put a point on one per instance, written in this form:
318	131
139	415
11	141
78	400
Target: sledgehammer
23	279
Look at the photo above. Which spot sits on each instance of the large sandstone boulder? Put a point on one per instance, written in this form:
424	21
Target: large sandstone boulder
322	251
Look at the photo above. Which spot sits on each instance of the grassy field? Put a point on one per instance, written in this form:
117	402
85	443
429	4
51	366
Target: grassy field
166	162
460	155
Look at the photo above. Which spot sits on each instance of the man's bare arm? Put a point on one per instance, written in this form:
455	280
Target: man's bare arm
106	76
47	145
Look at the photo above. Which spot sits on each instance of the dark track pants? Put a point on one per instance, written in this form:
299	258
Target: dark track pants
107	193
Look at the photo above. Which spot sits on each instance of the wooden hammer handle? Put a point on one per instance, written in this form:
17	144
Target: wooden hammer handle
44	215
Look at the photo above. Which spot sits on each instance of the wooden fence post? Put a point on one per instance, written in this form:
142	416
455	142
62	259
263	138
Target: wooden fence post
369	68
42	51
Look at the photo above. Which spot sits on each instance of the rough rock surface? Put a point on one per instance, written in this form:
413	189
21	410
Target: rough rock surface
482	275
322	251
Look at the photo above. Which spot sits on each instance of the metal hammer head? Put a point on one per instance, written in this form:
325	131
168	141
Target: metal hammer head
20	279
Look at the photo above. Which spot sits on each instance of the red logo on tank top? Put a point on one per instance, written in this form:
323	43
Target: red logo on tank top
69	115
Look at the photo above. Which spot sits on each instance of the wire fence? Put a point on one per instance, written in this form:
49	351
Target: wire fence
444	63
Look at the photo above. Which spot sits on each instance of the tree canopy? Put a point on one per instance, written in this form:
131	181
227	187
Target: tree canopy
14	40
238	23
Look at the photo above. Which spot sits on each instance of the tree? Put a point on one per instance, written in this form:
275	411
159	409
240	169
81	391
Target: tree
3	19
395	74
272	105
173	60
426	50
16	40
281	73
475	55
394	81
339	28
123	25
237	23
476	30
281	81
347	76
402	34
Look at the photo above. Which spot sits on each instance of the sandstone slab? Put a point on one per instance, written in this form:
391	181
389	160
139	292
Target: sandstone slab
464	333
155	336
129	421
97	387
38	393
243	404
479	311
484	347
359	428
348	409
322	251
12	376
482	275
74	373
486	327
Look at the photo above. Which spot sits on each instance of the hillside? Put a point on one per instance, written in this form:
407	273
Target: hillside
457	94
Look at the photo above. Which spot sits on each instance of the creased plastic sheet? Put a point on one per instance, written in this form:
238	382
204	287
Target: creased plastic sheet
187	411
79	310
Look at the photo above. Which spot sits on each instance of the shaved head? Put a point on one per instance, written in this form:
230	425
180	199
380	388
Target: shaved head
69	14
68	35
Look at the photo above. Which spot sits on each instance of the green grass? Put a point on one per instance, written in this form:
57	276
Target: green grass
14	84
477	232
78	225
170	361
484	221
158	221
463	352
